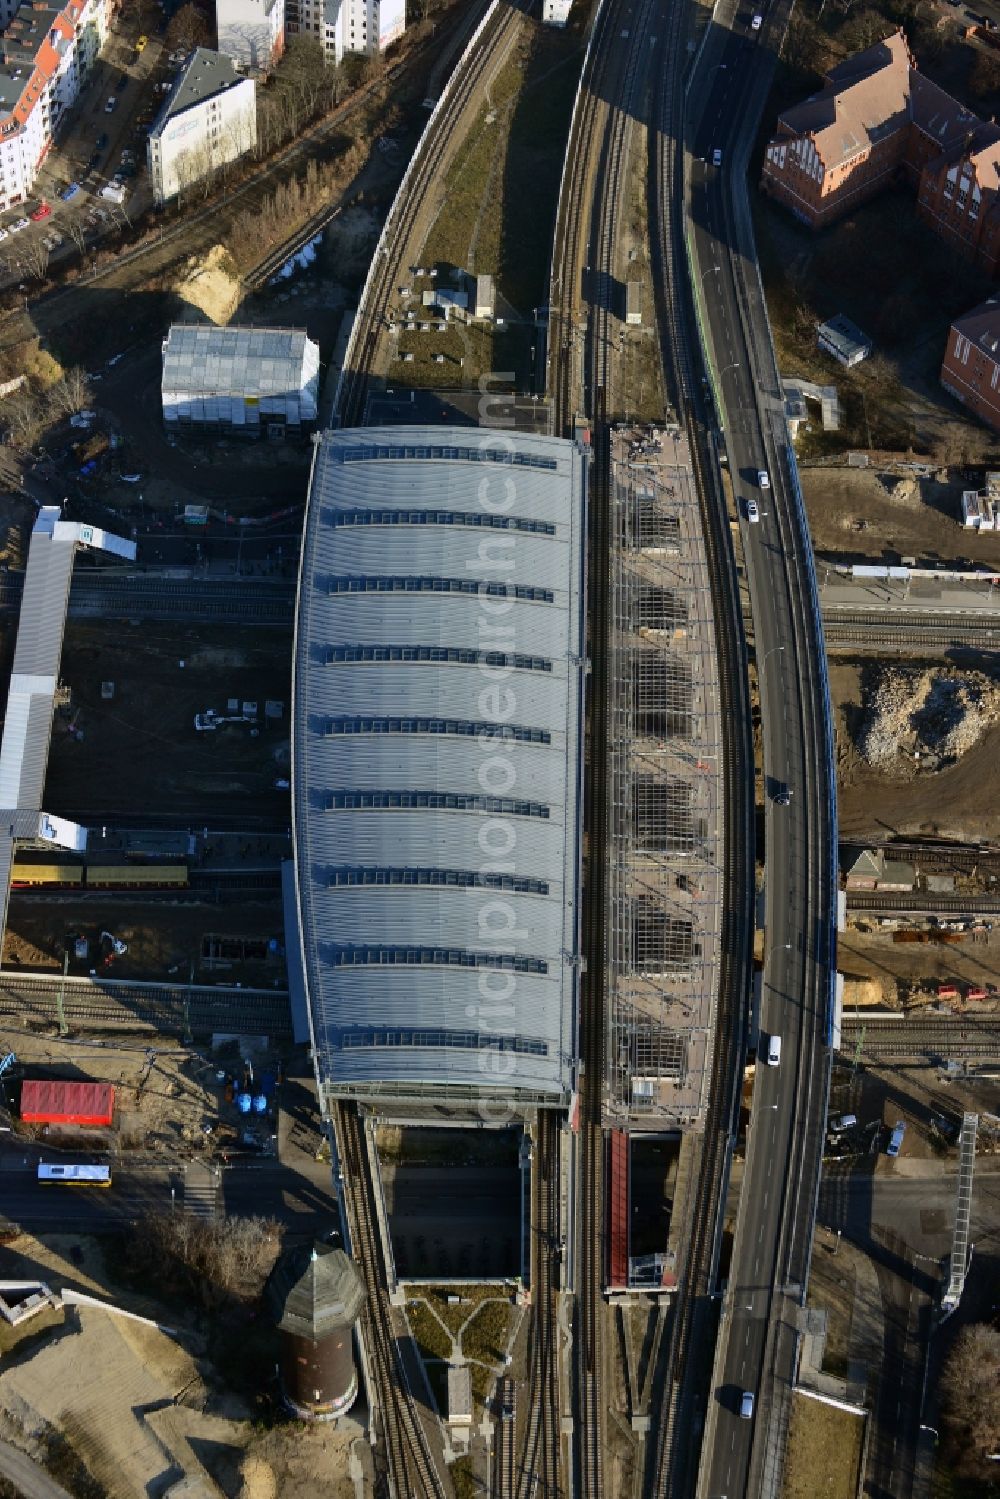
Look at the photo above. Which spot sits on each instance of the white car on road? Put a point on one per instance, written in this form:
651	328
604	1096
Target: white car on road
753	511
762	478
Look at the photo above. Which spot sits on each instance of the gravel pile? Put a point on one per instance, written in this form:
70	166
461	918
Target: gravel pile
924	720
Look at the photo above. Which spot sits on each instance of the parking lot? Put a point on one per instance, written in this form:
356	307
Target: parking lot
98	146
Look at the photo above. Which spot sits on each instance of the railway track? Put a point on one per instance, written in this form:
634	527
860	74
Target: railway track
410	1472
587	223
540	1464
923	903
504	1479
907	632
685	1371
956	1037
169	1009
484	54
930	857
120	595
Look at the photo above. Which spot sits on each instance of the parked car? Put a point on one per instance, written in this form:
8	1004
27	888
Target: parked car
18	225
757	22
122	83
94	162
70	191
40	211
142	43
3	234
111	105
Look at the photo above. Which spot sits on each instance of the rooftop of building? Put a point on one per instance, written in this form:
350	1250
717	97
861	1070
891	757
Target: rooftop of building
981	326
436	759
315	1290
846	336
204	75
31	46
237	361
872	95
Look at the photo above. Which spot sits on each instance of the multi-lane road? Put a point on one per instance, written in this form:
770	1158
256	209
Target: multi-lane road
774	1227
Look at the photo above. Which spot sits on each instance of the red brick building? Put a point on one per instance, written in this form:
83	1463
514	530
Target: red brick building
970	370
877	121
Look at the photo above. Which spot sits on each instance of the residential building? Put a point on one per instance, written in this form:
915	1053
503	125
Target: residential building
878	121
46	52
251	32
209	118
343	26
846	342
255	382
970	370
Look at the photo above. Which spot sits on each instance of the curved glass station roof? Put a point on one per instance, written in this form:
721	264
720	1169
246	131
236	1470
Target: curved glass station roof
436	760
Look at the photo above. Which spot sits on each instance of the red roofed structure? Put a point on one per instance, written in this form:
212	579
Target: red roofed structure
67	1103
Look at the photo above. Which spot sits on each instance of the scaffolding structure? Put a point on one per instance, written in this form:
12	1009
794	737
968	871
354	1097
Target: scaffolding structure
958	1264
665	792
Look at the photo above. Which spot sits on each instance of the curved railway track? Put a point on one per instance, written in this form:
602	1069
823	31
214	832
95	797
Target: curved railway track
686	1368
588	224
410	1470
483	56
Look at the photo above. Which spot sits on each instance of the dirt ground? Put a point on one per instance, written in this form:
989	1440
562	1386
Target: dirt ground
137	1408
823	1453
165	938
855	516
910	972
164	1094
140	751
948	803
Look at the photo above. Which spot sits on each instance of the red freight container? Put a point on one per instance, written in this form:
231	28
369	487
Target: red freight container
67	1103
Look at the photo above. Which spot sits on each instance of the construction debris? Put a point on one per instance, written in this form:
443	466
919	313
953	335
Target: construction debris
924	720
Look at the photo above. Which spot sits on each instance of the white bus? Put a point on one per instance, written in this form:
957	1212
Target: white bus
75	1176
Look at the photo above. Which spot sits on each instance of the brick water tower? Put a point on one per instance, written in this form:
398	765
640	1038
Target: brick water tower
316	1295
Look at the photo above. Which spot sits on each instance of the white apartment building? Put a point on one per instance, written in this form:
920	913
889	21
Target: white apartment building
46	52
251	32
342	26
208	118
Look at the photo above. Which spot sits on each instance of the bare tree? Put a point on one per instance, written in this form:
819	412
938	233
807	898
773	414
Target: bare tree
25	419
78	234
188	29
36	258
223	1260
71	393
971	1389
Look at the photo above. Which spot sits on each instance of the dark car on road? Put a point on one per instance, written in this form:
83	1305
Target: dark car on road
101	142
94	162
